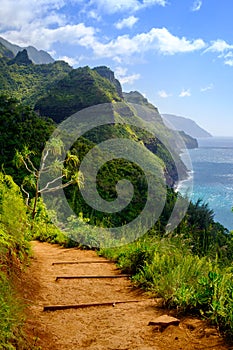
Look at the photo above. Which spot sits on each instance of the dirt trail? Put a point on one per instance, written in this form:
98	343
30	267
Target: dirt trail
122	327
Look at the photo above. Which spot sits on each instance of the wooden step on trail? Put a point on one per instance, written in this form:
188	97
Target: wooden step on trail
91	276
81	306
83	262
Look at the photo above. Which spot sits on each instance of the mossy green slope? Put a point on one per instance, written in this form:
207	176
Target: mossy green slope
81	88
29	82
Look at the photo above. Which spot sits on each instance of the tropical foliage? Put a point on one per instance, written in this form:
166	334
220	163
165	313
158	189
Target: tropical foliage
14	249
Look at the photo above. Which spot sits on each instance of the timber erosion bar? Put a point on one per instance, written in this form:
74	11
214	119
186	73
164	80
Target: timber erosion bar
84	262
81	306
90	276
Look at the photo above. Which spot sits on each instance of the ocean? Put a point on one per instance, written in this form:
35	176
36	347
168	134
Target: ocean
212	165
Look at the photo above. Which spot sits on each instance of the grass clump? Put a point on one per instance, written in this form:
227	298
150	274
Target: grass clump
190	283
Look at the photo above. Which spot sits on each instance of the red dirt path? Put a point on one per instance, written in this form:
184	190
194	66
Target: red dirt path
123	327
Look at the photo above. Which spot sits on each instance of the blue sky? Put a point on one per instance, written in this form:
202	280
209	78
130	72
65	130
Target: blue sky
178	53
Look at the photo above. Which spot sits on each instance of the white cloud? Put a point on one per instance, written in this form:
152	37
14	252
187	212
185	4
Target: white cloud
163	94
126	22
124	78
229	62
197	5
157	39
122	48
70	60
41	23
43	38
15	14
206	88
219	46
167	43
120	72
129	79
185	93
229	54
114	6
224	49
93	14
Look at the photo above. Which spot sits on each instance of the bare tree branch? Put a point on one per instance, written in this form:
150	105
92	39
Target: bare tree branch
53	189
28	196
28	169
51	182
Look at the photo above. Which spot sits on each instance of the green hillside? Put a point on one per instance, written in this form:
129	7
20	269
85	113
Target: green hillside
37	56
28	83
57	91
81	88
4	52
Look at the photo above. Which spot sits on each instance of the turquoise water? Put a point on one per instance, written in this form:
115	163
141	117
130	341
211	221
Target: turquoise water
212	166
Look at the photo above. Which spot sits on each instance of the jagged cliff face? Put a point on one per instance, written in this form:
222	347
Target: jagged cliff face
137	98
21	59
106	72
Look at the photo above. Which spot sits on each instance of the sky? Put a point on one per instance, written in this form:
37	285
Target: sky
177	53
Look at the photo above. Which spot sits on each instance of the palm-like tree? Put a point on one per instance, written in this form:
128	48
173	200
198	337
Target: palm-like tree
67	170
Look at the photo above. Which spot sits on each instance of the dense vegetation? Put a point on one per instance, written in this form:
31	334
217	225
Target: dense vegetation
82	88
14	249
27	83
190	267
19	127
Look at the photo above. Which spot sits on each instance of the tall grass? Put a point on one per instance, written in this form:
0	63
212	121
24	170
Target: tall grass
168	269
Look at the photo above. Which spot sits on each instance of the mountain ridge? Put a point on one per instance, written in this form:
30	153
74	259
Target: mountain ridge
57	91
37	56
185	124
151	114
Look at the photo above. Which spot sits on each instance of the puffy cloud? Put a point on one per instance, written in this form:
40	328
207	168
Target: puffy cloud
171	44
43	38
185	93
126	22
122	48
42	23
163	94
15	14
197	5
157	39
